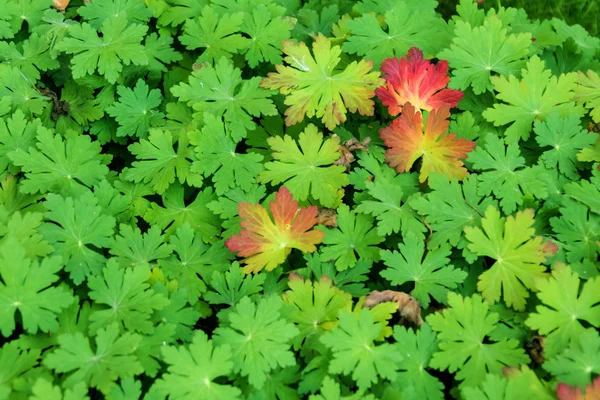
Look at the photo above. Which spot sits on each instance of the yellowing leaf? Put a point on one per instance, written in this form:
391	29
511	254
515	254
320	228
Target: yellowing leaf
518	256
267	244
314	89
533	97
587	92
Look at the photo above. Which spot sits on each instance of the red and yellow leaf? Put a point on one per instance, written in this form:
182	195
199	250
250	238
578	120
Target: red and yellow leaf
407	142
266	243
566	392
416	81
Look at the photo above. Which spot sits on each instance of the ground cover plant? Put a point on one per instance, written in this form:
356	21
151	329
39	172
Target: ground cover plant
275	199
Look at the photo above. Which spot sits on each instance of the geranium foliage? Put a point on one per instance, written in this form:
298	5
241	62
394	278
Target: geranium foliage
290	200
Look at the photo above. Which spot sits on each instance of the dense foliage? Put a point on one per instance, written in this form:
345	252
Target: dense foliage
276	199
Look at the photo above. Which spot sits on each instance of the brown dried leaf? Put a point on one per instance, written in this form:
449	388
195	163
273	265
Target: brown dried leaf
535	348
408	307
60	107
347	148
327	217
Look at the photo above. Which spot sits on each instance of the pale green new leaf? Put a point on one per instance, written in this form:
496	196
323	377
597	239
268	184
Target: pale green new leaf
533	97
478	51
306	168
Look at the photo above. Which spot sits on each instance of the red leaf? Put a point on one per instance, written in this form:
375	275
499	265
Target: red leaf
416	81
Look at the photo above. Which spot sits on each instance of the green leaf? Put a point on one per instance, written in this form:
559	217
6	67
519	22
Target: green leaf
24	228
221	91
259	338
314	307
216	157
26	286
432	276
77	229
84	107
586	192
579	361
148	351
193	262
577	230
463	336
534	97
193	370
15	361
354	235
160	54
350	280
20	91
392	215
355	352
45	390
177	213
110	360
307	170
16	132
126	297
450	207
518	256
217	34
59	165
136	110
567	138
30	56
417	349
233	285
564	307
134	249
522	383
587	92
330	390
97	12
266	35
477	51
129	389
119	45
406	28
505	175
160	164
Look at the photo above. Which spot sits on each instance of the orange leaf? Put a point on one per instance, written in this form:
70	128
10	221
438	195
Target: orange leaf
60	5
416	81
267	244
407	143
